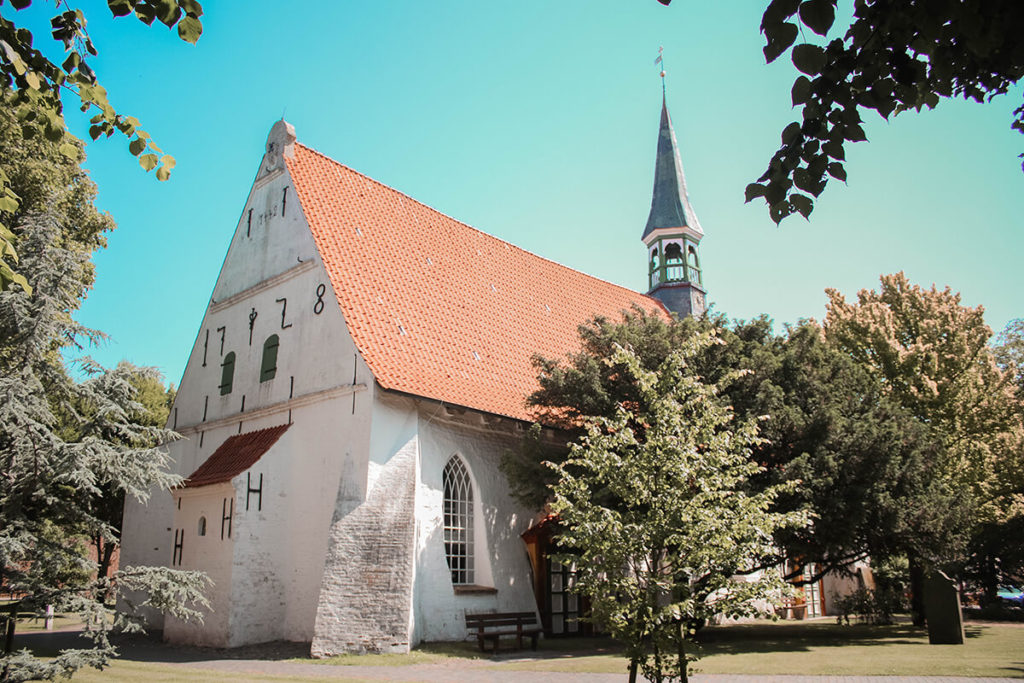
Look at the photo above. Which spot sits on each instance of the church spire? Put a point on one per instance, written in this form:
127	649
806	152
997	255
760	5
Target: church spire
670	205
673	233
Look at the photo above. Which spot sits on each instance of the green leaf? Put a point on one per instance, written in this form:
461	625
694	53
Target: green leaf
834	148
120	8
167	11
8	204
53	133
137	146
753	191
809	58
854	133
20	4
163	173
803	179
70	151
33	80
189	29
192	7
790	132
802	203
801	91
818	15
148	161
780	37
836	170
168	161
146	13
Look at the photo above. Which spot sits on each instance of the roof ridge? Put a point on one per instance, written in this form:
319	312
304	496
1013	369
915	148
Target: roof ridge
478	230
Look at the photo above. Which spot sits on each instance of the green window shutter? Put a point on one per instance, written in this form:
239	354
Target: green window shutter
268	368
227	373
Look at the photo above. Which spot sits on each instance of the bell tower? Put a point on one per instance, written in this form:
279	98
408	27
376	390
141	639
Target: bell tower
673	232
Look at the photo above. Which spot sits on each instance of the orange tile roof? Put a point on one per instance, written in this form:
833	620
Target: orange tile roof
234	456
437	308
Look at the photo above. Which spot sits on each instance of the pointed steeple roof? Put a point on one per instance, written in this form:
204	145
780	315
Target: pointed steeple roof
670	206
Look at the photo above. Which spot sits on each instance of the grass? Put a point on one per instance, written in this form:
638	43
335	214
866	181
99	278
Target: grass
810	648
820	648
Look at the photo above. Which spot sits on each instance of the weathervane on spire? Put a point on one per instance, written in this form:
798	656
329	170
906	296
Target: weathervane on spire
660	60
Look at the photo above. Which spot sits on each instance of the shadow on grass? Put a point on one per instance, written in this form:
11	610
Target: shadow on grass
547	648
801	637
151	648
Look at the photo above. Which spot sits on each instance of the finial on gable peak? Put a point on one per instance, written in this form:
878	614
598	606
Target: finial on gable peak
281	139
280	144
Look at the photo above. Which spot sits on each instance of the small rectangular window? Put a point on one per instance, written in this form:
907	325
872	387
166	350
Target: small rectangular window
227	373
268	368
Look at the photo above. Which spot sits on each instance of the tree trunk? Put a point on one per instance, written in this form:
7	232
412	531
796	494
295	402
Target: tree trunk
683	667
632	670
916	590
12	616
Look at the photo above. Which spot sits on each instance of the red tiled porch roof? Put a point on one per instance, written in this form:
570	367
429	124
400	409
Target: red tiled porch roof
439	309
234	456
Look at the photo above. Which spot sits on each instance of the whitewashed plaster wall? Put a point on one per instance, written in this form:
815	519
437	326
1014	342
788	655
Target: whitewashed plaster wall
501	558
271	268
211	554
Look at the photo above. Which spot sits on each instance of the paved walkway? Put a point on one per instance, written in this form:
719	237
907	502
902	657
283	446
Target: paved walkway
277	660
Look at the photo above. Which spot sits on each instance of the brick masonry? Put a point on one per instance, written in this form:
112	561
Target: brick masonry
366	594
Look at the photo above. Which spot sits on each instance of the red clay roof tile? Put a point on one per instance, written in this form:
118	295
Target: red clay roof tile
459	328
234	456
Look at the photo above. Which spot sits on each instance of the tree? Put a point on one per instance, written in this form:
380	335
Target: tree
996	552
31	87
893	57
154	402
657	513
826	421
64	444
932	356
863	463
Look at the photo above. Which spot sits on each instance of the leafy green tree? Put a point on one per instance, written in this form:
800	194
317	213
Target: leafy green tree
657	513
891	58
997	547
863	463
932	356
861	460
66	445
32	84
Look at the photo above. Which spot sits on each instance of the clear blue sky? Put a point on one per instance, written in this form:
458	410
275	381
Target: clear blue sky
535	121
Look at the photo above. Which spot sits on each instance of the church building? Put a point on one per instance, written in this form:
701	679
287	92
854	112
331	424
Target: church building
361	367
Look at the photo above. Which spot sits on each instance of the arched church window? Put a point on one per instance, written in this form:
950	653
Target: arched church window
673	253
691	257
227	373
268	368
458	521
202	526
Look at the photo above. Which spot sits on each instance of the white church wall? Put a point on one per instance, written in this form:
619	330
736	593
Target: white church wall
210	553
282	539
272	269
502	562
365	598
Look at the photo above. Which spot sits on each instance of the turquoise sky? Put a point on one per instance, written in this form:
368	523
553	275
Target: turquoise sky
535	121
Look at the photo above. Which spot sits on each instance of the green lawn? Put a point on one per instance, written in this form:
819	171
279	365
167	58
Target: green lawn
763	648
823	648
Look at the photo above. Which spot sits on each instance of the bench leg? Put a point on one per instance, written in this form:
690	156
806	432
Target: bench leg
533	641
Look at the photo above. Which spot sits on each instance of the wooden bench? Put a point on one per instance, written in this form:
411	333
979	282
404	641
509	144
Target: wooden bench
492	625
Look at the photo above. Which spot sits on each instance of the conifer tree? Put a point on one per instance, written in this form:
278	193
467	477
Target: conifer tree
66	444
